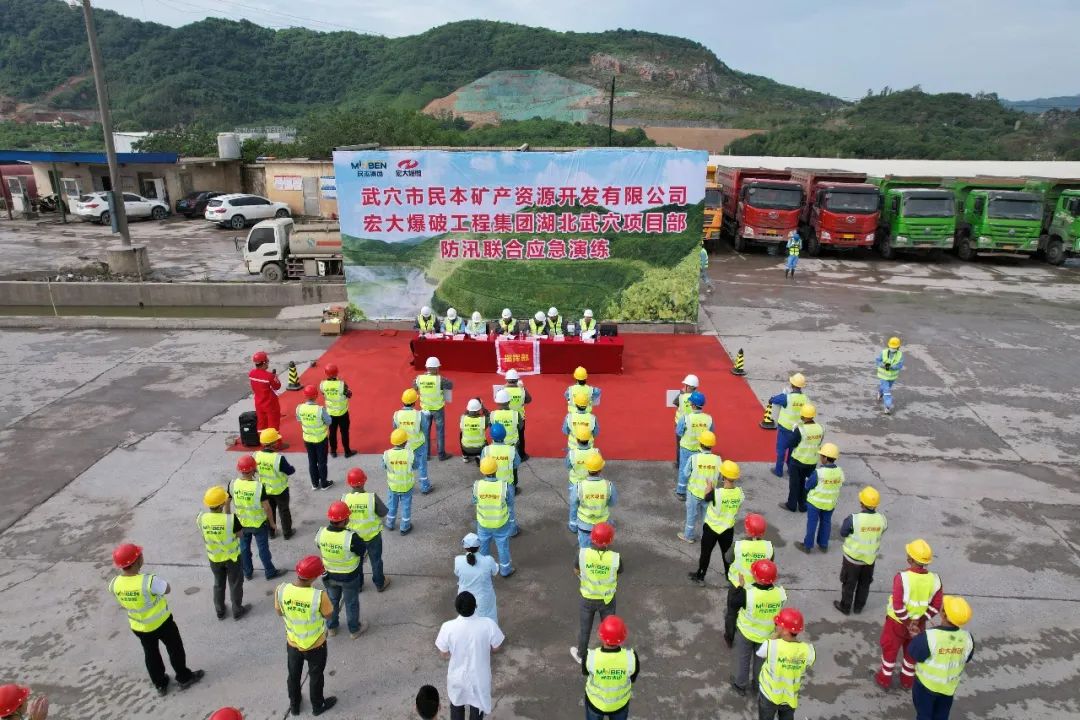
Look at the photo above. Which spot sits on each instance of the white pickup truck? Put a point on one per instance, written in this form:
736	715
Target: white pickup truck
278	250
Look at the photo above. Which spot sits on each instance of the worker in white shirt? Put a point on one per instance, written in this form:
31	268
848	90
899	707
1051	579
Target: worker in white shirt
468	642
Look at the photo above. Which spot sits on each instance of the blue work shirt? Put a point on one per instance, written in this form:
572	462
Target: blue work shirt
811	480
613	495
780	399
680	427
895	365
919	647
566	425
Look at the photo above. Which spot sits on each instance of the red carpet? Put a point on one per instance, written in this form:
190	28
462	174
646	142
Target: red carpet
634	424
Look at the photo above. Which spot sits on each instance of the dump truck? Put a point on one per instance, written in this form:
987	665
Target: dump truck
278	250
714	213
1061	217
761	206
841	209
996	217
917	215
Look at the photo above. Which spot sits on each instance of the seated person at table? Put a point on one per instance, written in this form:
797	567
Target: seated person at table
538	325
476	326
555	323
426	322
507	325
452	325
587	329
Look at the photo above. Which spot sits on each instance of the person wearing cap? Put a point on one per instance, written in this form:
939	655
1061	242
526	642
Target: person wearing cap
785	661
862	532
506	416
745	553
342	553
702	471
428	702
411	420
889	364
474	572
761	602
507	460
591	499
687	431
492	499
805	446
400	464
507	323
315	424
598	568
575	466
581	382
940	655
916	597
252	507
452	324
221	534
721	506
822	493
274	472
681	403
426	322
554	322
468	642
790	404
473	431
587	328
265	385
336	393
366	511
476	325
305	609
519	398
580	418
432	387
15	704
142	595
611	671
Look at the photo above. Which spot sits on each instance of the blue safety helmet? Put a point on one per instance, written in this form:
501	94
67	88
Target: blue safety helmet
697	399
498	432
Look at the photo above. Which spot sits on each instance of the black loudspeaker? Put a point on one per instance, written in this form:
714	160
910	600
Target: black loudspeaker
608	329
249	429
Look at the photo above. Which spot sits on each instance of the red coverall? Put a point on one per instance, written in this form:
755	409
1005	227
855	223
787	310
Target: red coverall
895	636
267	409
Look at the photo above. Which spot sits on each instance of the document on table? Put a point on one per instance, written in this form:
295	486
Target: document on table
672	396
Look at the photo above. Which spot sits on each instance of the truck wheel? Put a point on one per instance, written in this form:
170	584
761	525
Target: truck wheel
813	247
885	248
1055	252
739	243
271	272
282	213
237	222
964	250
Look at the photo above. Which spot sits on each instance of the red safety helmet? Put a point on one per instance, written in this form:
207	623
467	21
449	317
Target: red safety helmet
790	619
310	567
311	392
331	370
612	630
356	477
602	534
338	512
754	524
764	571
11	698
126	555
227	713
245	464
260	357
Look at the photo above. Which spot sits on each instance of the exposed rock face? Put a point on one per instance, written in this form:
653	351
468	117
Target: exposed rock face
696	78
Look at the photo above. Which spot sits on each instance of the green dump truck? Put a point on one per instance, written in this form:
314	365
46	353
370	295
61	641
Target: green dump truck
1061	217
996	217
917	215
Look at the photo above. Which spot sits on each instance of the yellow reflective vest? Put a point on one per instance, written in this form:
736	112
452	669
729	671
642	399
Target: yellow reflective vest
312	423
269	465
863	543
696	423
949	652
247	502
826	493
409	420
594	493
473	429
790	414
575	420
304	624
510	420
222	544
808	449
431	392
334	392
720	513
745	554
335	546
786	662
609	687
755	621
703	467
503	455
363	519
400	477
598	571
919	590
492	512
146	611
517	398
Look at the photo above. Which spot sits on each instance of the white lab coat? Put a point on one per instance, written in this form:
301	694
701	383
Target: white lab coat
477	580
469	641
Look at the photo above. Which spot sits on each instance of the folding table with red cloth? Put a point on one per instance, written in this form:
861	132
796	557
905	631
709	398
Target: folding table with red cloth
605	356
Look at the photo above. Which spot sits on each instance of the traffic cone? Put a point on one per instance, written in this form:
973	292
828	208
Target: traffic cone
740	360
767	421
294	377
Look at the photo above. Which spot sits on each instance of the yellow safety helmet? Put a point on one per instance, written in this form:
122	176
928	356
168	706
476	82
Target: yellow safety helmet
399	437
919	551
869	497
269	435
581	397
707	438
730	470
957	610
797	380
215	496
830	451
808	412
894	343
594	463
580	373
489	466
409	396
582	434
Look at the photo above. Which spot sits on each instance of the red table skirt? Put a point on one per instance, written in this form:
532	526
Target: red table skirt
603	356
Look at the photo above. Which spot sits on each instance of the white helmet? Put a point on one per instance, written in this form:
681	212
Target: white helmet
512	374
502	397
473	406
432	362
506	314
690	380
425	311
451	314
588	313
476	316
539	316
552	312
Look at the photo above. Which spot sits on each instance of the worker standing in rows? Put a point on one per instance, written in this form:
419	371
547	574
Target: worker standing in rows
506	417
597	568
315	424
473	431
862	532
915	598
426	323
794	247
476	326
304	609
366	510
580	418
265	384
761	602
491	496
889	365
785	662
452	324
681	403
274	472
507	323
592	499
688	430
400	464
432	388
790	404
702	471
575	466
519	398
745	553
721	507
221	534
507	461
411	420
252	507
822	493
581	382
940	655
142	595
337	393
612	671
805	444
342	554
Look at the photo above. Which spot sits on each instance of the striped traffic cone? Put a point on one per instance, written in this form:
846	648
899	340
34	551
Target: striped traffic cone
294	377
767	421
740	361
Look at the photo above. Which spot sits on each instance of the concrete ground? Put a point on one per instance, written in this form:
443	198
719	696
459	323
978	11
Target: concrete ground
113	436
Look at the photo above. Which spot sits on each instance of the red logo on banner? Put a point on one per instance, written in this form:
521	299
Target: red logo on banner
408	164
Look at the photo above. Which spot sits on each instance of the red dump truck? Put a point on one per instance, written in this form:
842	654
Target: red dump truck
841	209
760	206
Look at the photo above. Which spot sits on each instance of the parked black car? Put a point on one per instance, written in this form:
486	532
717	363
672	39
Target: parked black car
194	203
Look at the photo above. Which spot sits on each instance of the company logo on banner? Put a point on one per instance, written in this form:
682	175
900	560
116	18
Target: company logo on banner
520	355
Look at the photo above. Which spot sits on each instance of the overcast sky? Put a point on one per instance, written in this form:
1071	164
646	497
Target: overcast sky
1020	50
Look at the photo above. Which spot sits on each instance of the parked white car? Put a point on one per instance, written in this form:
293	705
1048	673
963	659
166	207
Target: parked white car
238	209
95	207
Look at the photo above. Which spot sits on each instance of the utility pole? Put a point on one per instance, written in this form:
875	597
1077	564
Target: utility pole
611	112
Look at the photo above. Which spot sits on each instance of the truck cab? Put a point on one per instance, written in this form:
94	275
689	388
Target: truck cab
916	215
1061	217
841	209
996	218
761	206
278	249
714	212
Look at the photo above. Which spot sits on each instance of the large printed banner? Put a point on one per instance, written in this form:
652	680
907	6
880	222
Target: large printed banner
614	231
520	355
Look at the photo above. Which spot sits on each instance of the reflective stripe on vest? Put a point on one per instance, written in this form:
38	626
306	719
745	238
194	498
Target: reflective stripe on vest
794	249
893	357
577	454
271	476
827	491
949	651
312	423
588	324
919	590
472	431
865	539
217	531
304	624
755	621
703	467
517	398
538	328
336	551
476	328
609	687
577	387
492	512
682	406
599	572
408	419
507	326
789	414
577	420
431	392
555	325
503	455
746	553
810	436
451	327
509	419
720	513
782	672
593	497
426	324
363	520
247	502
334	392
399	469
696	423
146	611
